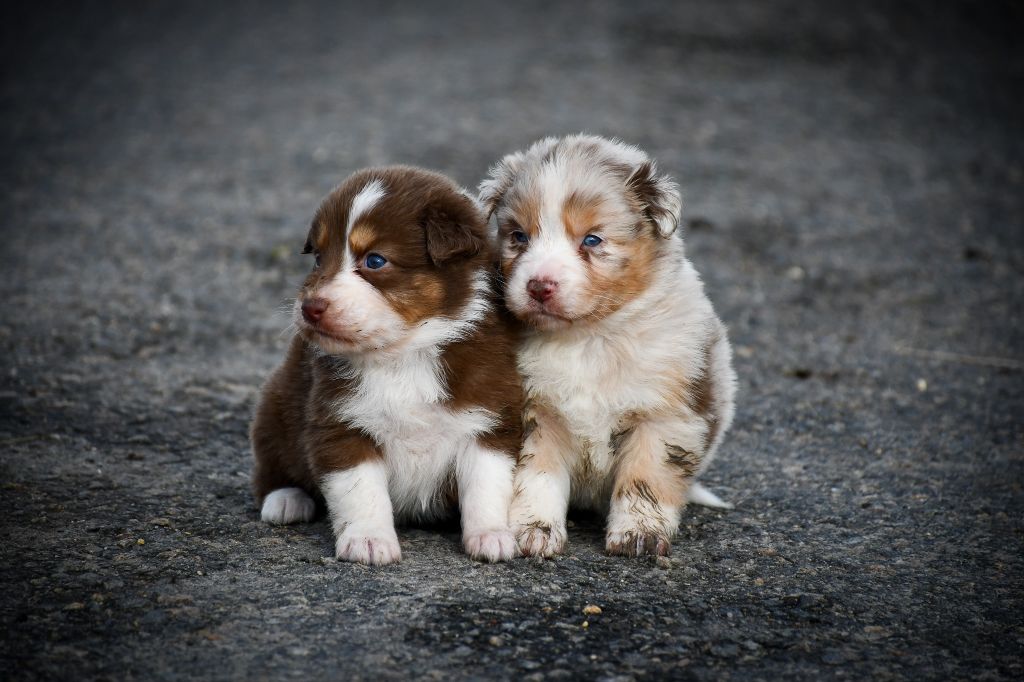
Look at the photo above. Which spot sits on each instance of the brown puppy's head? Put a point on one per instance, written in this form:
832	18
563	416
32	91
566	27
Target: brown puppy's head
582	222
399	255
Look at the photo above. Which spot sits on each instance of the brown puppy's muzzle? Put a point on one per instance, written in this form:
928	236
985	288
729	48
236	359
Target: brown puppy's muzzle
313	309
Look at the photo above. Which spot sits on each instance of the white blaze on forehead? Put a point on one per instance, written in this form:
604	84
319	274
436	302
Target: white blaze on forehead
365	201
362	203
553	192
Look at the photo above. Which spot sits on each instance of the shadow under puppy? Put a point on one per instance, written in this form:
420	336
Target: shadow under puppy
627	370
399	393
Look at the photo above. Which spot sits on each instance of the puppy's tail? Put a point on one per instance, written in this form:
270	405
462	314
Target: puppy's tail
698	494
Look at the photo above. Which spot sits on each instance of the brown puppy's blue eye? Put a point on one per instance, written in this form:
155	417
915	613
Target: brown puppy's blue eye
520	237
316	260
375	261
592	240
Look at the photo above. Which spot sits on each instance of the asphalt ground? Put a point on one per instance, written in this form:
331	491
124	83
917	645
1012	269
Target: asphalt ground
853	176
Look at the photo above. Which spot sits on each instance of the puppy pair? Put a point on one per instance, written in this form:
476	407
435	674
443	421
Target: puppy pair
400	394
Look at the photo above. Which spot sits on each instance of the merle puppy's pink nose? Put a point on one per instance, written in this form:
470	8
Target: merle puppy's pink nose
541	289
313	309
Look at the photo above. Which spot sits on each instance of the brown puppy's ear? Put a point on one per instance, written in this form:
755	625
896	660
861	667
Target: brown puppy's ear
454	229
658	195
501	176
313	238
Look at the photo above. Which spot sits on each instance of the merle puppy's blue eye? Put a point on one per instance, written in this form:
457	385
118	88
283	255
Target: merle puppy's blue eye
520	236
592	240
375	261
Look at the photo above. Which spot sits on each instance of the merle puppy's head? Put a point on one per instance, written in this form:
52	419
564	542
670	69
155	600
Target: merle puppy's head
398	254
582	222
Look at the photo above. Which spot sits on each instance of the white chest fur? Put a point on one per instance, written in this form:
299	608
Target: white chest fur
630	362
399	402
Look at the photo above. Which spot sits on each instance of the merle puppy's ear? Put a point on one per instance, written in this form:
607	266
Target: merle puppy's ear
500	178
658	195
454	229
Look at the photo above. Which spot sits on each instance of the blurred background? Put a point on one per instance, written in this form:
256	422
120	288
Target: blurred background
853	181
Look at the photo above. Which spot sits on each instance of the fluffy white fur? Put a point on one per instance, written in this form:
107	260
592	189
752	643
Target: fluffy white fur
485	493
398	402
361	514
598	372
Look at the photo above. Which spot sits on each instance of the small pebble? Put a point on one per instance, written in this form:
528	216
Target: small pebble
591	609
922	385
875	631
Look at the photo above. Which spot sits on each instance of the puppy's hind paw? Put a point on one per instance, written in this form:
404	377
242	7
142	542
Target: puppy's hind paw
637	543
287	505
490	545
363	549
541	540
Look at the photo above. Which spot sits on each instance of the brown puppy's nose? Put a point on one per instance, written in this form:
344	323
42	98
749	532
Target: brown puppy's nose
541	289
313	309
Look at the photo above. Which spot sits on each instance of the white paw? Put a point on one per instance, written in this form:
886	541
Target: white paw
288	505
374	549
490	545
538	539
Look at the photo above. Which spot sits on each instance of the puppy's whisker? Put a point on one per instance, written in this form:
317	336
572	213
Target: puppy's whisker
291	330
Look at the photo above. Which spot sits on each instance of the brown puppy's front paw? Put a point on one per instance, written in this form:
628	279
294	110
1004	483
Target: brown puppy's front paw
490	545
637	543
541	540
363	549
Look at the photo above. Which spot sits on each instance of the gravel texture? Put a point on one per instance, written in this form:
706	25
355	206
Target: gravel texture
854	185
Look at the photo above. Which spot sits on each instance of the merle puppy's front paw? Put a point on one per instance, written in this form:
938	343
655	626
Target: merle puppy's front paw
375	550
540	539
490	545
637	543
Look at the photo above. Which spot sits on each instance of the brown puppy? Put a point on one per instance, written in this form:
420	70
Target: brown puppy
399	393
